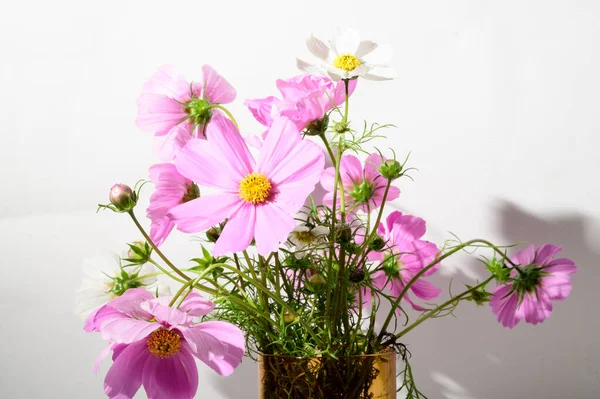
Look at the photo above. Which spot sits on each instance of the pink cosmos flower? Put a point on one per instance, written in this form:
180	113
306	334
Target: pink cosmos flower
529	294
258	197
172	189
177	110
305	99
154	345
362	185
404	256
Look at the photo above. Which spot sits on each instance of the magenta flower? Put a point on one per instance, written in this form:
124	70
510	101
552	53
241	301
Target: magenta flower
172	189
154	345
177	110
362	186
404	256
529	294
306	99
257	197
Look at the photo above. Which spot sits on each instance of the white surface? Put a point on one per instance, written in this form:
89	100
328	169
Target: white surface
497	100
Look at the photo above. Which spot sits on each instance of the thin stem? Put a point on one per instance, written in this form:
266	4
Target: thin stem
158	251
432	312
229	114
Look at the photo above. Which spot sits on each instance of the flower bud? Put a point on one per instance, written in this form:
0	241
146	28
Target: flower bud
288	317
356	275
122	197
377	243
341	127
213	234
343	234
317	280
135	248
391	169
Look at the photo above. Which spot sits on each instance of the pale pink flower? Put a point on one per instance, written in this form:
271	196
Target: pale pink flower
177	110
362	185
154	345
172	189
404	255
258	197
529	295
305	99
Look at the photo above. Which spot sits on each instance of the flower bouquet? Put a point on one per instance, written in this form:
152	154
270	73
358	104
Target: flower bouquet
299	252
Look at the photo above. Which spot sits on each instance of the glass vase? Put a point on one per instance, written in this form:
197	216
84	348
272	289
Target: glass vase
371	376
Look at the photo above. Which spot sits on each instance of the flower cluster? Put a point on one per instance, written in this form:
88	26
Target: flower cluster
298	256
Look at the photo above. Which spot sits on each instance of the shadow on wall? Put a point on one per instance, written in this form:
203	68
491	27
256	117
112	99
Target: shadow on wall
474	357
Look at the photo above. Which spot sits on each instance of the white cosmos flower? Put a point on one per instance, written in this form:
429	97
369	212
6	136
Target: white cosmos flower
304	239
102	274
346	57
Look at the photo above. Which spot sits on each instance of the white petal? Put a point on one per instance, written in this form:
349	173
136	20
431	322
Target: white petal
317	47
300	228
307	67
380	73
346	41
364	48
381	56
320	231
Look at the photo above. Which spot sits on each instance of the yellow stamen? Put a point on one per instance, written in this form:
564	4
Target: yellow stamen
305	236
164	343
255	188
347	62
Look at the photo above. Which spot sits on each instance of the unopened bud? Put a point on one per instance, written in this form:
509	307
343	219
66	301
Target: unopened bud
343	234
140	246
288	317
356	275
391	169
377	243
122	197
317	280
341	127
213	234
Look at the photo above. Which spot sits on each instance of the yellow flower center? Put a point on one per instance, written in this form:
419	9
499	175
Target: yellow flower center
347	62
305	236
164	343
255	188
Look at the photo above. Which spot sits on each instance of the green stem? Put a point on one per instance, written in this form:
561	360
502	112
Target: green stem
460	247
432	312
158	251
229	114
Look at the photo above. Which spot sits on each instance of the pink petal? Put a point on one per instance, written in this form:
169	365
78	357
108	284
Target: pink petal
101	357
160	230
505	307
406	228
328	179
168	146
238	231
535	309
557	287
281	139
158	113
372	164
221	161
167	81
218	344
127	331
272	227
261	109
130	302
124	378
560	265
216	89
173	378
425	290
351	170
164	314
201	213
196	305
526	256
545	253
391	220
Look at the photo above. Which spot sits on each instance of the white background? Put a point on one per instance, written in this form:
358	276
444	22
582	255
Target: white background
497	100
